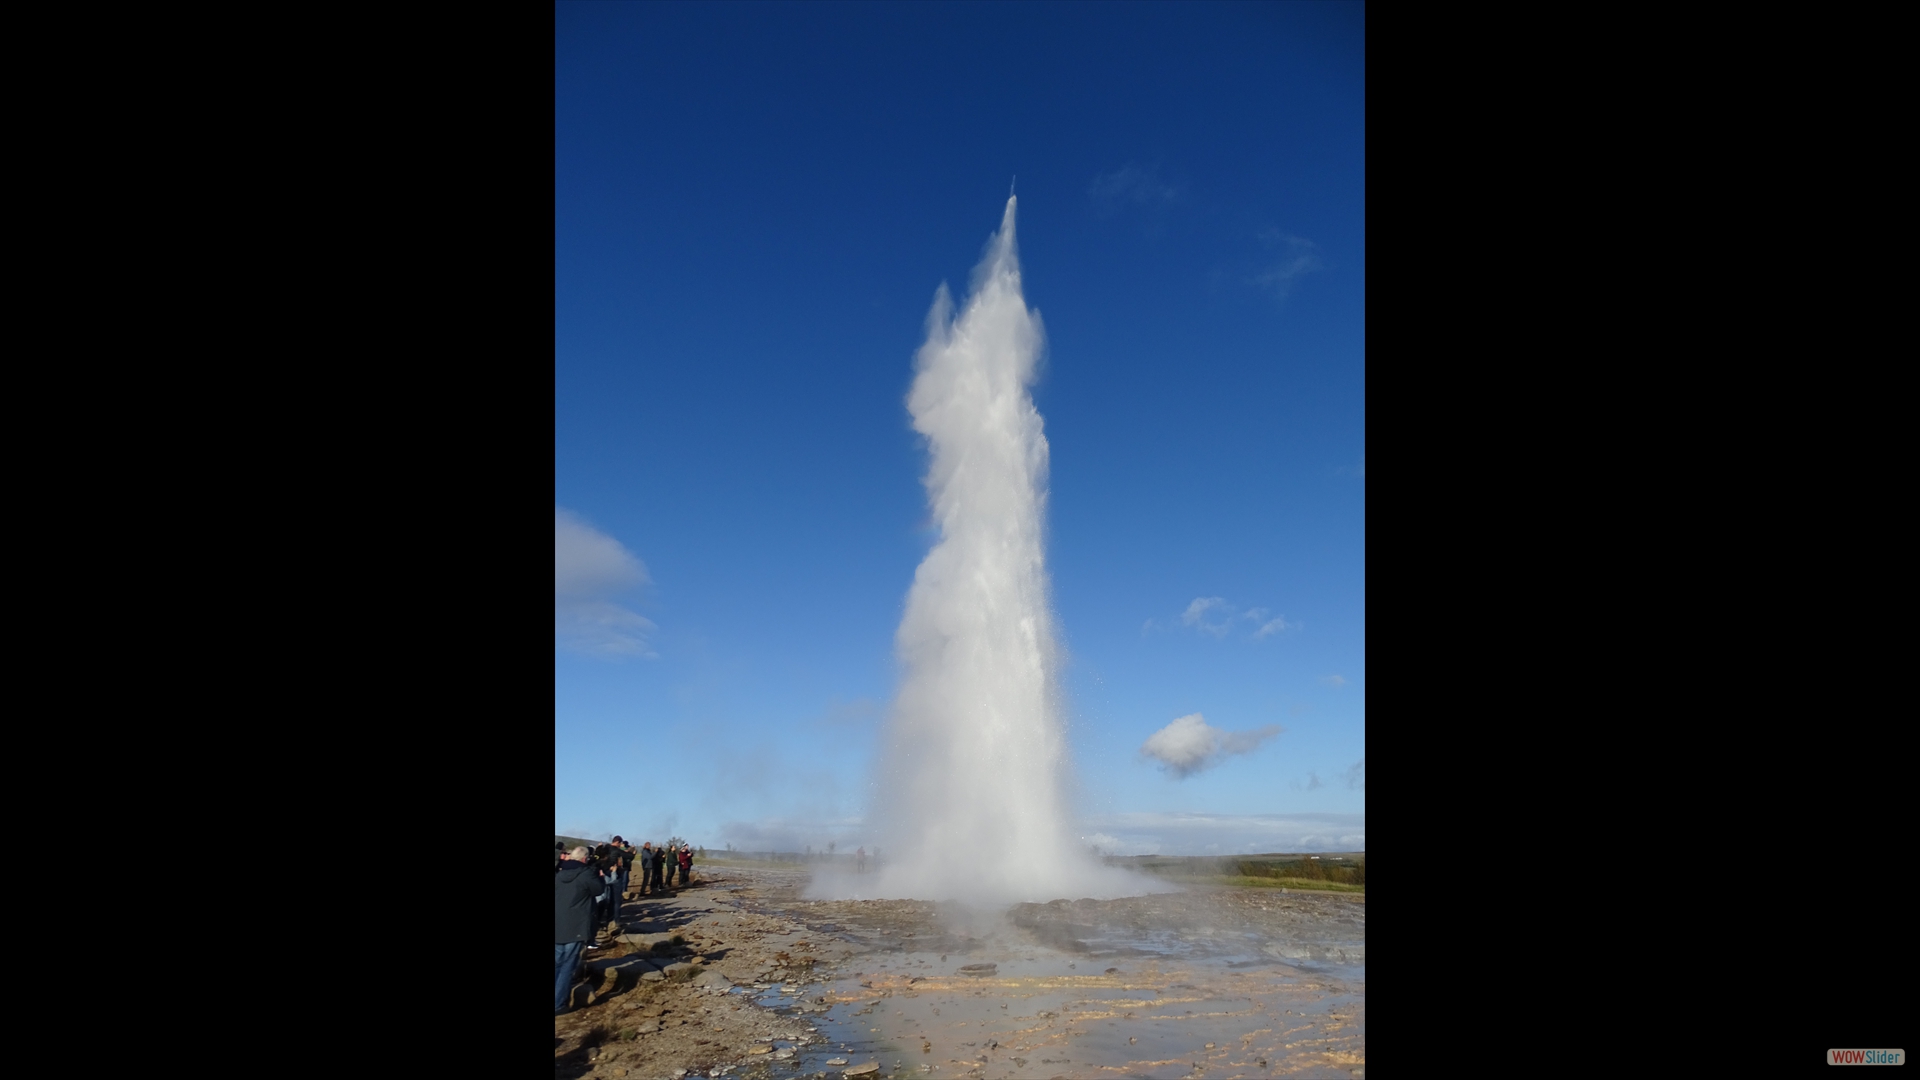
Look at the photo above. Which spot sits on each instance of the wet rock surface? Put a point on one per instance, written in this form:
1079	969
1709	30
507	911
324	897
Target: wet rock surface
1213	982
1239	926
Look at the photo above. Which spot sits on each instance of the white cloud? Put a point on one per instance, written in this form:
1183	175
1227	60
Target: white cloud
1213	615
1189	744
1130	185
1313	783
1296	258
1334	681
589	568
1197	616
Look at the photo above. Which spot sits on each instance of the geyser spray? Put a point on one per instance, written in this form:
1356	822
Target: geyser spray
970	793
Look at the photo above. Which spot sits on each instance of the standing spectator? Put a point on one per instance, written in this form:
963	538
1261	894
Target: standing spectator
575	885
626	871
607	858
659	868
647	857
860	860
686	864
622	856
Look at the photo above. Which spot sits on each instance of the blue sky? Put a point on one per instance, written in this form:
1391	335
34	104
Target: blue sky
753	208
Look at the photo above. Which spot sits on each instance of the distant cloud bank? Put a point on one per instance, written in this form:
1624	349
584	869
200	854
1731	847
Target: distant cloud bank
1225	834
1190	745
589	568
1114	834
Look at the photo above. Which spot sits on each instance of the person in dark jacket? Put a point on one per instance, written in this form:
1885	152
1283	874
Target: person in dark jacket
661	854
575	886
602	859
646	866
622	856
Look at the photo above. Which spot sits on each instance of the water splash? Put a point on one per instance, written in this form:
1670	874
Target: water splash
970	800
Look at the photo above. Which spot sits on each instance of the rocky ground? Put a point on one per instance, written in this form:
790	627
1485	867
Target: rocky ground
738	976
655	1000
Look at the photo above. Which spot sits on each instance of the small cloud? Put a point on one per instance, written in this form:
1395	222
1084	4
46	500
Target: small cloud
1199	608
1209	615
1213	615
1130	185
1357	775
1190	745
1294	258
1334	681
589	567
1274	627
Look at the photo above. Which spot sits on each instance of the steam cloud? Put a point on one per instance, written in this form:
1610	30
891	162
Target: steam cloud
589	567
1190	744
970	800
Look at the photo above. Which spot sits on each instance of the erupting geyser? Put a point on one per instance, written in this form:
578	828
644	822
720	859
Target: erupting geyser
970	800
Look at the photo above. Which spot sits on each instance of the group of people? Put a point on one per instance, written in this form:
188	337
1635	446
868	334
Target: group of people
588	887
